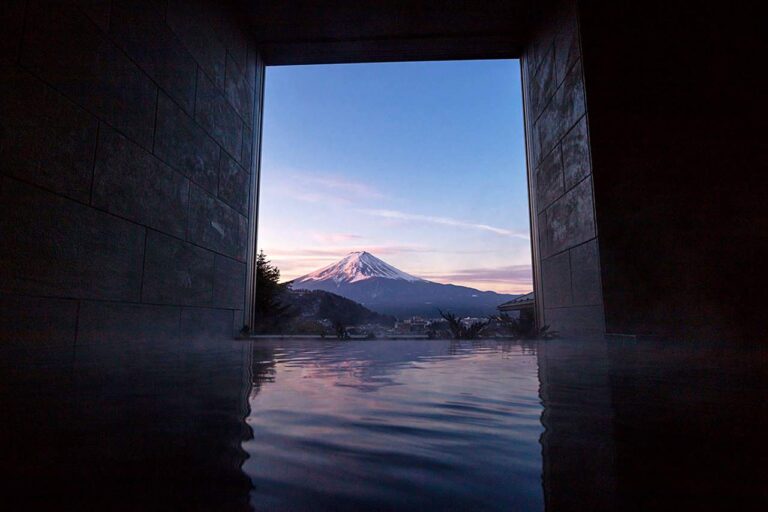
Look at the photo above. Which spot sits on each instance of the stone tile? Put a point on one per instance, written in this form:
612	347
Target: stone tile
571	103
37	344
97	10
246	153
577	321
541	224
233	184
570	220
205	324
566	108
233	33
66	249
38	322
549	180
585	274
44	138
217	116
139	28
63	47
567	50
239	90
216	226
242	232
228	283
193	24
576	161
182	144
106	328
11	24
543	83
176	272
556	281
130	182
250	64
238	321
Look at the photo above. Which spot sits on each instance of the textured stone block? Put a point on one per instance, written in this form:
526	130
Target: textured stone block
556	281
233	184
567	50
541	228
44	138
38	322
193	23
571	219
217	116
543	83
108	331
132	183
234	34
139	28
215	225
228	283
176	272
182	144
205	324
576	160
238	322
11	24
56	247
566	108
239	90
37	345
246	153
585	274
580	321
62	46
549	179
97	10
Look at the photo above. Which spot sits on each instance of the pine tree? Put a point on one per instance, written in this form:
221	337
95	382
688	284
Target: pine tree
270	311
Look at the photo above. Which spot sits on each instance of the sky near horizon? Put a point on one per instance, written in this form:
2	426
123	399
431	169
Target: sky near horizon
422	164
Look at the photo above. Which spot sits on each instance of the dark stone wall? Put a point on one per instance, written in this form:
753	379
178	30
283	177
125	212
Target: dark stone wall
566	255
125	151
125	159
676	118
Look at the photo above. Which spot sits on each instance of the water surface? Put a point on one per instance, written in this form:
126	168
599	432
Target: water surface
394	425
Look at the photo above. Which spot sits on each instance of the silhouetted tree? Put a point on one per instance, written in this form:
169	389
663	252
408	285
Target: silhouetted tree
341	331
461	332
270	310
523	328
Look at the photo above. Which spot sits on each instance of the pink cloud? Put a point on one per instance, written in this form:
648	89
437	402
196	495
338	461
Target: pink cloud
334	238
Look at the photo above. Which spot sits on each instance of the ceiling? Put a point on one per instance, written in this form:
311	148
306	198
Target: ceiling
318	32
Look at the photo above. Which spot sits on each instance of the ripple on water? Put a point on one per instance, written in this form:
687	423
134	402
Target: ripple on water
383	425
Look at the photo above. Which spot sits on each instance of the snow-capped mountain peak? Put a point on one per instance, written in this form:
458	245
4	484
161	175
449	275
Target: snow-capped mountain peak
354	267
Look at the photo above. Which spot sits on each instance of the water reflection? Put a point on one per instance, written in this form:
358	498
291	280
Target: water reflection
556	426
396	425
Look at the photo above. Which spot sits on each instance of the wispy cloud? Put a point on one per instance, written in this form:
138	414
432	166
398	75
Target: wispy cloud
443	221
510	273
335	238
506	279
320	187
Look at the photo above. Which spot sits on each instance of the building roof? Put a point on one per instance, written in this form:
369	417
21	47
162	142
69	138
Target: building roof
521	302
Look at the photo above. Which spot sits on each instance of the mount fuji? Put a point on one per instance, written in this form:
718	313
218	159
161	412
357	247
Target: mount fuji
364	278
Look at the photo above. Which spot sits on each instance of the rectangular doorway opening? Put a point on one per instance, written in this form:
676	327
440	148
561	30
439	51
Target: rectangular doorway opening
393	201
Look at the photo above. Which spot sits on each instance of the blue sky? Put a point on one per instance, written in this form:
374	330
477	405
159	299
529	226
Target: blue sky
422	164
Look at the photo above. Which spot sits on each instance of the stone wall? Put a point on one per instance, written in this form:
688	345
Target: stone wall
677	151
125	150
566	253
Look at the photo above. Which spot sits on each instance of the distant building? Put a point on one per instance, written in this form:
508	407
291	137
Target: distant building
413	325
522	304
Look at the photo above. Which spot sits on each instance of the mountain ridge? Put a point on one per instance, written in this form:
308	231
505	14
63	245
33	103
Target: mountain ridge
362	277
